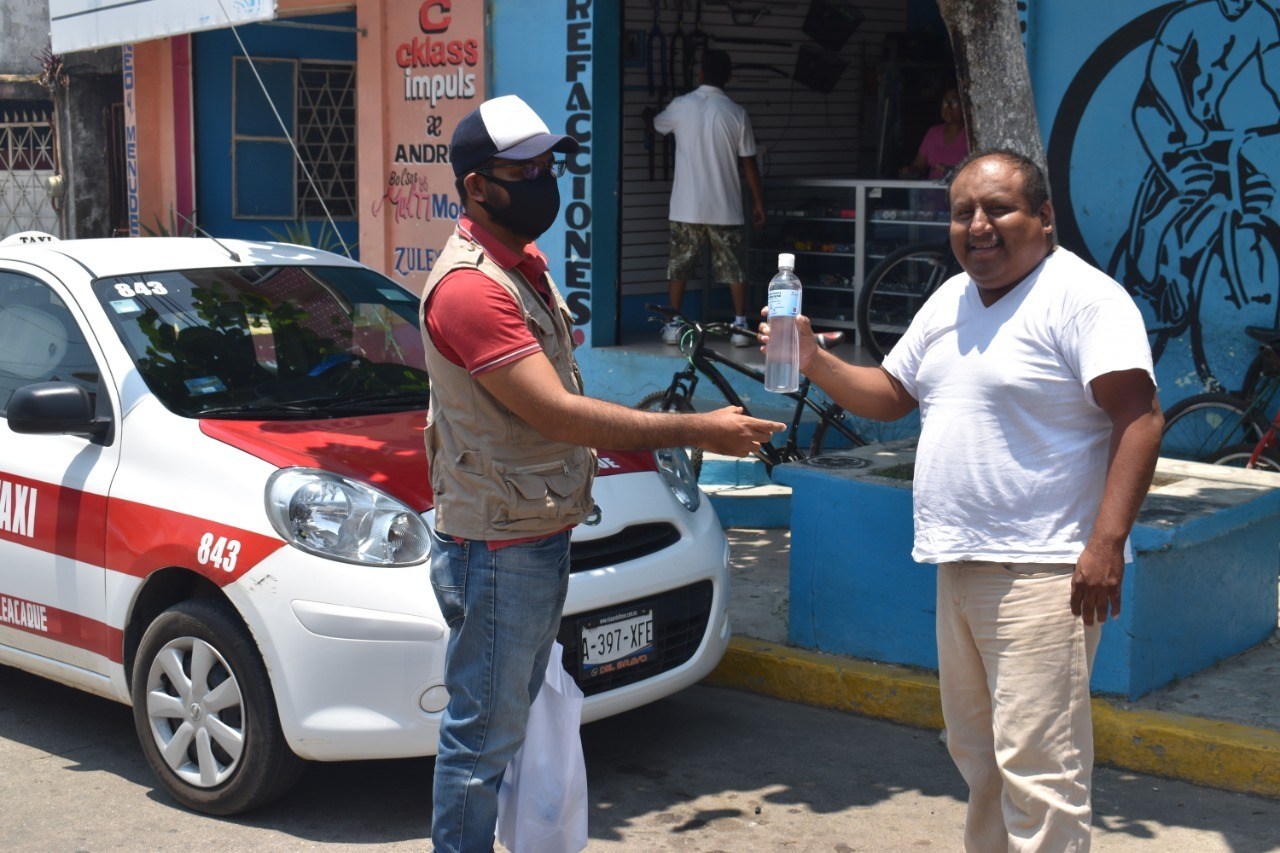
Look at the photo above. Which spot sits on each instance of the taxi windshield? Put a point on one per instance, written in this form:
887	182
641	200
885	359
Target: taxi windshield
271	342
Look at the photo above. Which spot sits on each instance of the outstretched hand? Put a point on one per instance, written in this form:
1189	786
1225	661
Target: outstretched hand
732	433
804	332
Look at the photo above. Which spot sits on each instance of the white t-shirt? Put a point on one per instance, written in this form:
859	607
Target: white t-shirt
712	132
1012	457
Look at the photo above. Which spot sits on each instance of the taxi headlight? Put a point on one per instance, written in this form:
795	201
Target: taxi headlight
347	520
677	473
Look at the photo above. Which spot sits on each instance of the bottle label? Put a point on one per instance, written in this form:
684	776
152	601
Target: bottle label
784	303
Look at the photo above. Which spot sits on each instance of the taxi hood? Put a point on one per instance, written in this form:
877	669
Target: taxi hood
383	450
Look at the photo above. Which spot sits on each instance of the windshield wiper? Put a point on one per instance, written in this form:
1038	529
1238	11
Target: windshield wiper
378	399
255	411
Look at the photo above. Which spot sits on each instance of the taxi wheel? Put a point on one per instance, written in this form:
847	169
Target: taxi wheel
205	714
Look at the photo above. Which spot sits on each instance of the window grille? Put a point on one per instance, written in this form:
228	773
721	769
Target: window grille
326	138
317	102
27	160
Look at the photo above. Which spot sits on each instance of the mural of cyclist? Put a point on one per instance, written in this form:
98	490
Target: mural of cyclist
1203	226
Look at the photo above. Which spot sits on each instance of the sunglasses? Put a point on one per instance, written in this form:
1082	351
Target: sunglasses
529	170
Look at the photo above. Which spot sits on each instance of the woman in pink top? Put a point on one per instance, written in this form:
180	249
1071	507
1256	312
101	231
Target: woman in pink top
944	144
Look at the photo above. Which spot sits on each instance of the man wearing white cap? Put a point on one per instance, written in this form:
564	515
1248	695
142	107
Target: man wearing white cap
508	442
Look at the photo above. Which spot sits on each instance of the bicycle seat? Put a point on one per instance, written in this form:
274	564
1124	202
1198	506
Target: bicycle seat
1263	335
828	340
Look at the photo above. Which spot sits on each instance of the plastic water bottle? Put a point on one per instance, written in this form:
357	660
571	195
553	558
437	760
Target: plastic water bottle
782	356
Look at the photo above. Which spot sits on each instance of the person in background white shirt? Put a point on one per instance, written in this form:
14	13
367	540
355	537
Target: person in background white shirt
1040	432
713	137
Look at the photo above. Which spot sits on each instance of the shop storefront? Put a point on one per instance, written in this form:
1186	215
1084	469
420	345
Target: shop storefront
1176	201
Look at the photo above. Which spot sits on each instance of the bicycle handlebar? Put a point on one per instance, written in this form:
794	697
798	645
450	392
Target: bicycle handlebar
825	340
672	314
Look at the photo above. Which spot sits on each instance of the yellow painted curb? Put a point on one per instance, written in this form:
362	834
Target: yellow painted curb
827	681
1205	752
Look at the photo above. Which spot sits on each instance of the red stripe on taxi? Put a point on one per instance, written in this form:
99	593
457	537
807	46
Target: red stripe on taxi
124	536
385	451
42	620
51	518
141	539
625	461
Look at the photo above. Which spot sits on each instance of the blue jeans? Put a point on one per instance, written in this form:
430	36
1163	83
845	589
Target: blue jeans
503	609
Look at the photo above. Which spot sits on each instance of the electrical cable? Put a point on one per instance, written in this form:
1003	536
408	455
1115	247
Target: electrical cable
289	136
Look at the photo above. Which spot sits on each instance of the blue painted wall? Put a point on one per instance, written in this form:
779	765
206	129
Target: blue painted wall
1182	209
555	56
1202	586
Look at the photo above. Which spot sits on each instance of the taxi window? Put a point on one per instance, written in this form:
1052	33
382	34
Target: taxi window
271	341
39	339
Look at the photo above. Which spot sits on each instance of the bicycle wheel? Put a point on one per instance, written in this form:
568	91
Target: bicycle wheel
1203	425
895	290
654	403
1238	456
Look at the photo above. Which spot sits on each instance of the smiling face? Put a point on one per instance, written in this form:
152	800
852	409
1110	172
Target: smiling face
995	234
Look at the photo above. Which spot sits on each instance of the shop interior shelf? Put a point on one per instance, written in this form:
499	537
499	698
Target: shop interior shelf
873	217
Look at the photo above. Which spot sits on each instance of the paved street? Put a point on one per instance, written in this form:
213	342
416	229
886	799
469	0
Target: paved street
707	770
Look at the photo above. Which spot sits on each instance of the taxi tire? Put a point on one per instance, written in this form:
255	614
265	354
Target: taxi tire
267	768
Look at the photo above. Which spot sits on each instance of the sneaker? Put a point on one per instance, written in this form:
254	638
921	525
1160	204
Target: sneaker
671	333
742	340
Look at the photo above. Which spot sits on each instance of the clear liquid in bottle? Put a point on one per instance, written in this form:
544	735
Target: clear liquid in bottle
782	356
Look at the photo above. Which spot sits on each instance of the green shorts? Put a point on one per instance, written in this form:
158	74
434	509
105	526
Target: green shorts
687	240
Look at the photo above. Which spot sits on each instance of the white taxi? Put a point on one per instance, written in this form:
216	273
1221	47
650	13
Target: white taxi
214	507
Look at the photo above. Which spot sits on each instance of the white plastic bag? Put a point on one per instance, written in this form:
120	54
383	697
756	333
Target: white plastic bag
542	804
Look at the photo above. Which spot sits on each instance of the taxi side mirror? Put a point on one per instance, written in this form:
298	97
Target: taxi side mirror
56	408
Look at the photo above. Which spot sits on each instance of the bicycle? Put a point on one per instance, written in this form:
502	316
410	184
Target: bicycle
1263	456
1232	429
834	429
1210	219
896	288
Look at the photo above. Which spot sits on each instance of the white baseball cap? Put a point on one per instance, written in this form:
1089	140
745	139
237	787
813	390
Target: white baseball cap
504	127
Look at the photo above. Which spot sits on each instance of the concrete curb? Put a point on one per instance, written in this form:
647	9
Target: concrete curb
1218	754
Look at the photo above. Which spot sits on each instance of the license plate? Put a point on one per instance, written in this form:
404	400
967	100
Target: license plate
615	640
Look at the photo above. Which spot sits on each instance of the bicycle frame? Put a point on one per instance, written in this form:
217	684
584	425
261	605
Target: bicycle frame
701	359
1267	387
1269	441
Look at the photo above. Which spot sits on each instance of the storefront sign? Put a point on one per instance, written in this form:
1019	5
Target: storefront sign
433	76
577	208
131	141
87	24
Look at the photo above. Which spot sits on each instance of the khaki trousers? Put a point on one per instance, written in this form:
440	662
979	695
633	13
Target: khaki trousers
1014	669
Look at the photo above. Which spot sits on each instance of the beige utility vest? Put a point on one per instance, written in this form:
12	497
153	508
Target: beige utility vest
494	476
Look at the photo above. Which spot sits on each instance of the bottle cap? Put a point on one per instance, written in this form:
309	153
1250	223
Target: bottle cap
786	259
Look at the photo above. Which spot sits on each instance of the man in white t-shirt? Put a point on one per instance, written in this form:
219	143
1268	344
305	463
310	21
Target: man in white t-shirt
713	136
1040	432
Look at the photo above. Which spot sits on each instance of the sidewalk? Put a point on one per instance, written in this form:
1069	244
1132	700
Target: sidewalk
1220	727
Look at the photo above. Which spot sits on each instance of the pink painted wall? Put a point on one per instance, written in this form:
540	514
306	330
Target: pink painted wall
161	183
420	69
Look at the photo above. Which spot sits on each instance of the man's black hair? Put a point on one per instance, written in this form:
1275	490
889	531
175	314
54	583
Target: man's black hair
1035	185
716	67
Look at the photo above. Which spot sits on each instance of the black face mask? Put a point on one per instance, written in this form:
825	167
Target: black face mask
533	206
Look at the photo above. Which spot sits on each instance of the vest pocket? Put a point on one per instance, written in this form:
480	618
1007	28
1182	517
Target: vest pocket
543	329
539	493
